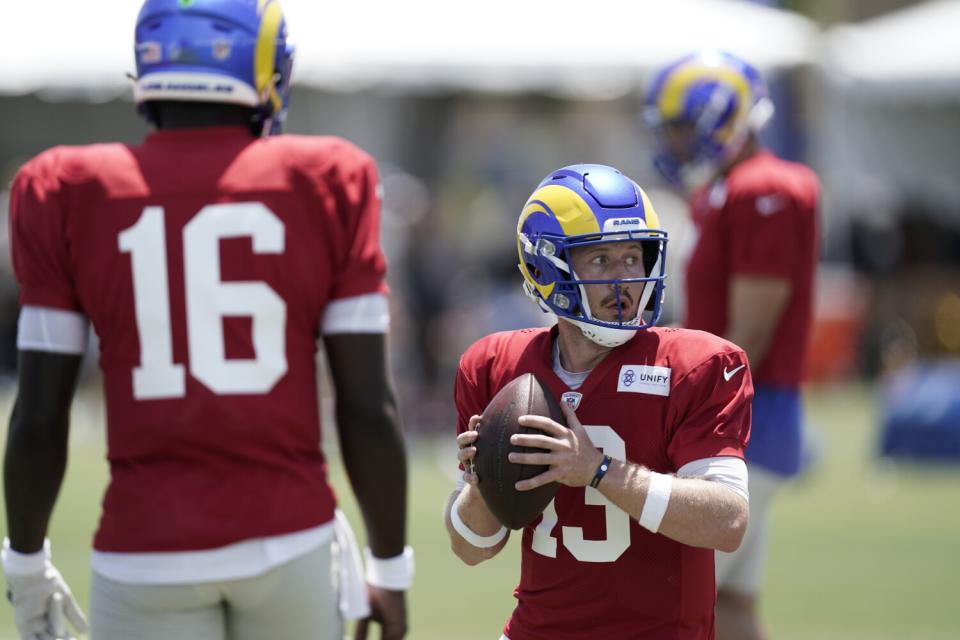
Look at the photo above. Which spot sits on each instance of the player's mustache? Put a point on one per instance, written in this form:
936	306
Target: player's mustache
625	298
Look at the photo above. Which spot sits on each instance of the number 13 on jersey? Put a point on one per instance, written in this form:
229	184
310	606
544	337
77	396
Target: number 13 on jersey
617	521
208	300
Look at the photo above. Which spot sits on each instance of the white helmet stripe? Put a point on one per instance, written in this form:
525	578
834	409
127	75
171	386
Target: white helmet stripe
559	263
527	245
584	301
650	286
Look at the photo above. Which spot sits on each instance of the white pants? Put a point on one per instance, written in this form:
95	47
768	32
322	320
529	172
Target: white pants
742	570
295	600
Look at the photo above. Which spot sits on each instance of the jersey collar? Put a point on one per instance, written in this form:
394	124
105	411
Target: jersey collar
597	374
197	134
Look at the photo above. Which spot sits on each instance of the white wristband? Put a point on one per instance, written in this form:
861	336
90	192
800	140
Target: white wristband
24	564
658	497
475	539
394	573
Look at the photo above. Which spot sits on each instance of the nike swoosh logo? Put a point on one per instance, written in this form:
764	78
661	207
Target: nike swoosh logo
729	374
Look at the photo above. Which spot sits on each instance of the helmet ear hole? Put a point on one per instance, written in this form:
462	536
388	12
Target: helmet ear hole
651	303
536	272
651	253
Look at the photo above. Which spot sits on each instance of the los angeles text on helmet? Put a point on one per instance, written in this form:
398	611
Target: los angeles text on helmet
187	86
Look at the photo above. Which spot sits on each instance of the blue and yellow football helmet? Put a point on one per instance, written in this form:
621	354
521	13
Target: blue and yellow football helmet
722	98
224	51
579	206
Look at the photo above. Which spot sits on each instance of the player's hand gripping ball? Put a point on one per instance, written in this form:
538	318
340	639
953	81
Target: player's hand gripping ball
525	395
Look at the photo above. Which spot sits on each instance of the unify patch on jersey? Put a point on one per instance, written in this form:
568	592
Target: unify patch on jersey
641	378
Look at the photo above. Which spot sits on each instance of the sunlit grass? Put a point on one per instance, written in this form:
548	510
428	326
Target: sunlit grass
859	550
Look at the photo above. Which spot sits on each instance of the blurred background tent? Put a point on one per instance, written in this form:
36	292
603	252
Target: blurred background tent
392	55
499	45
890	127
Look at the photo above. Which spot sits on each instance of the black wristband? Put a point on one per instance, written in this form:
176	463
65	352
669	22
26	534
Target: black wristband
601	471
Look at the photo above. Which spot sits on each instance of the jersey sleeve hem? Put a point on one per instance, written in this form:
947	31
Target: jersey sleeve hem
49	298
371	287
52	331
713	448
367	313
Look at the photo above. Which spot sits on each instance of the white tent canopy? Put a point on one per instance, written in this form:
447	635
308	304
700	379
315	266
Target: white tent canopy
889	123
908	52
598	48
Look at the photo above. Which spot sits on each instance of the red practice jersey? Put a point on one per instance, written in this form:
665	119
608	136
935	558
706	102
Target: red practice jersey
760	221
204	259
665	398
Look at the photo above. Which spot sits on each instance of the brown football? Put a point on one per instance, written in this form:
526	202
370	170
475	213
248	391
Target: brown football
525	395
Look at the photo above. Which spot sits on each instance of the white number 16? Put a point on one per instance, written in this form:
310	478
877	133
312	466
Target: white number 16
208	301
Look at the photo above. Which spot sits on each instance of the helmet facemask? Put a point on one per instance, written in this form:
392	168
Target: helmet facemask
548	260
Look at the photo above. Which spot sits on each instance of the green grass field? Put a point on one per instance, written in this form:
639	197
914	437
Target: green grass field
859	550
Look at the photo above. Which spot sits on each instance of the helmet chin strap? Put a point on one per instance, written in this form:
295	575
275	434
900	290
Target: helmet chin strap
603	336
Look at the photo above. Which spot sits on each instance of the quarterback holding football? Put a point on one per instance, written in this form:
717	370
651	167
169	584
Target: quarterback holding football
650	460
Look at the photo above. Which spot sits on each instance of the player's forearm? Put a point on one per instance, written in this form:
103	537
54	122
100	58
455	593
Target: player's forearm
375	459
36	454
699	513
702	513
756	307
475	514
34	464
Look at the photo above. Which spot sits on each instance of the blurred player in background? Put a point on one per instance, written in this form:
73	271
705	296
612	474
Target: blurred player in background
626	548
208	259
749	278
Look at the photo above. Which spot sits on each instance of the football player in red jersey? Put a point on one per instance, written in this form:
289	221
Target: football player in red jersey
209	259
749	278
650	463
